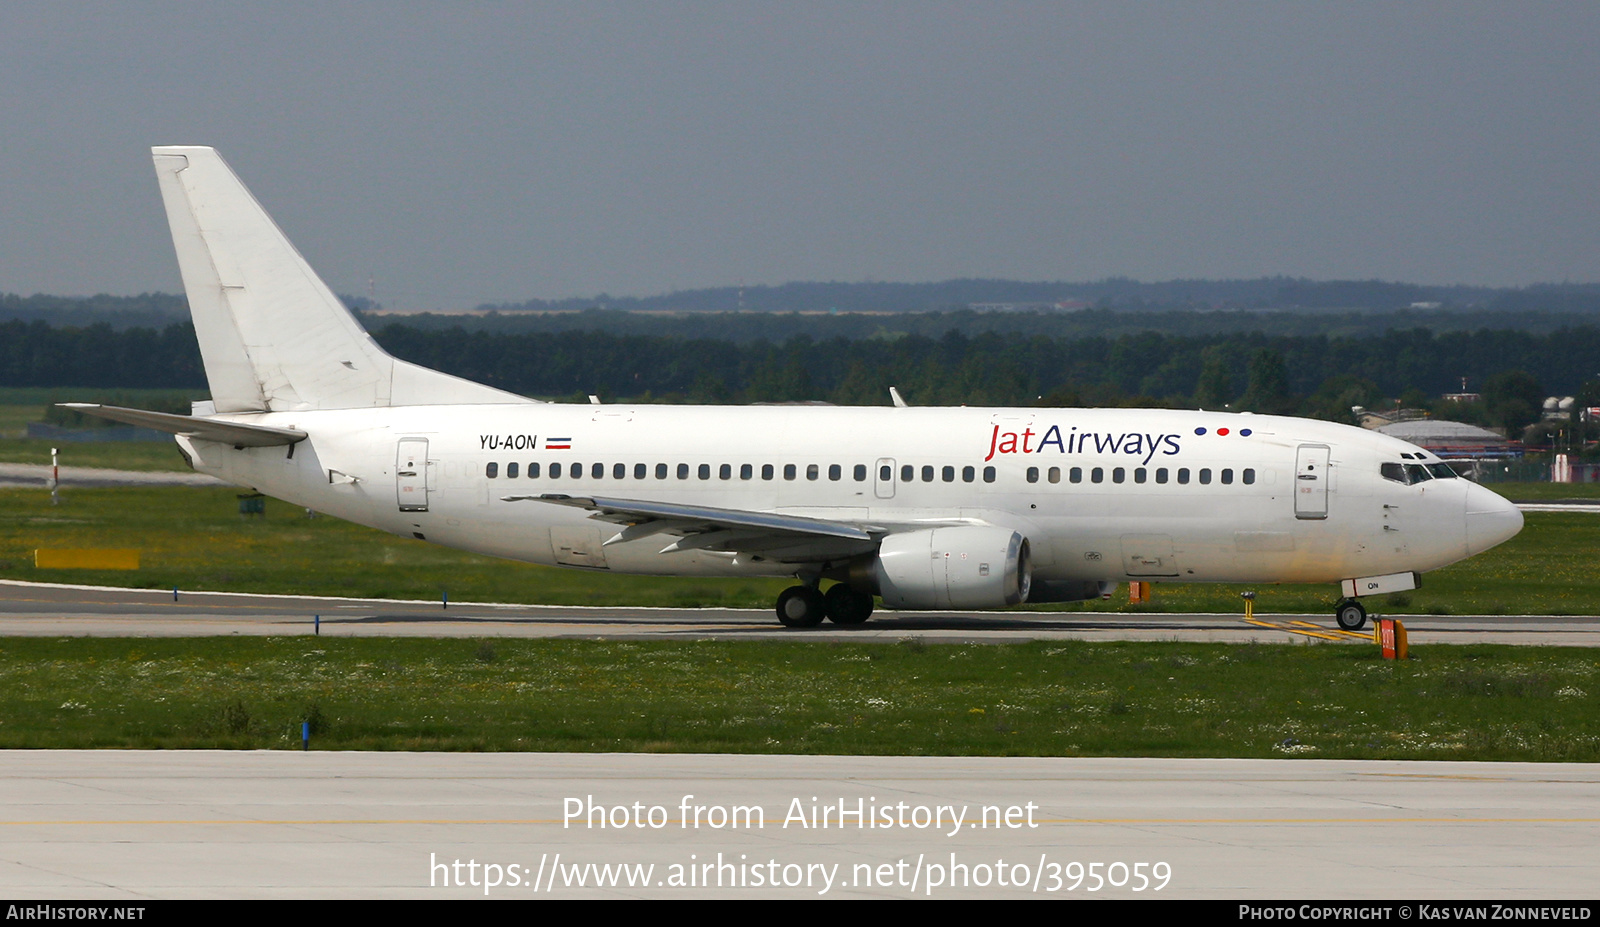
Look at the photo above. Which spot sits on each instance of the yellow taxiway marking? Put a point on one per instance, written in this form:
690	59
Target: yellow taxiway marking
1289	627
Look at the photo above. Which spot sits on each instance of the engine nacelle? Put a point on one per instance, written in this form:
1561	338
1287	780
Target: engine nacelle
966	566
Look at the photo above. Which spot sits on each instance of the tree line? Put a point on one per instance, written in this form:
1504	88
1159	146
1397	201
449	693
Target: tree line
1316	375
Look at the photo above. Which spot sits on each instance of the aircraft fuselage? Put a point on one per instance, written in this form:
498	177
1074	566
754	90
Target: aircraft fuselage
1101	494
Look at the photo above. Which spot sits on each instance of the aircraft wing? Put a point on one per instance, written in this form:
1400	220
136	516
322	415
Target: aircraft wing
773	536
238	434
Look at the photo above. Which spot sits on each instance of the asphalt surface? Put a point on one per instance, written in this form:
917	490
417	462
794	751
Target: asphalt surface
30	609
128	826
14	475
132	825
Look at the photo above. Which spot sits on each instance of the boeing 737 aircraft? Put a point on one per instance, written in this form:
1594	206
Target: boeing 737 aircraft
925	508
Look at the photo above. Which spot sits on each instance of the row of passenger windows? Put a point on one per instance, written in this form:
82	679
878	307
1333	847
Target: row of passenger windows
1247	476
662	471
908	473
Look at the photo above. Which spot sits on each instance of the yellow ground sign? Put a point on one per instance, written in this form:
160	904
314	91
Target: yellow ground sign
88	558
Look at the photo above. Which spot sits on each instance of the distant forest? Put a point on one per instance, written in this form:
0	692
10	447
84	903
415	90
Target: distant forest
1276	305
1301	348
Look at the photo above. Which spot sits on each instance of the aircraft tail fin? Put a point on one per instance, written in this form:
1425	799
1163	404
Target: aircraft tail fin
272	335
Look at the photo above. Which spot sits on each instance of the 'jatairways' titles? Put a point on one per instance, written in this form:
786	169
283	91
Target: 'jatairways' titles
1073	441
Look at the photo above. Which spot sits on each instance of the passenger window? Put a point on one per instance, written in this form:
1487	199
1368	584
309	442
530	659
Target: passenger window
908	473
811	471
1055	474
1205	476
1118	475
703	471
988	474
746	471
661	471
788	471
835	472
725	472
1097	475
1033	474
948	474
968	474
1249	476
492	470
885	473
683	471
927	474
639	471
766	471
511	471
533	471
1076	475
860	473
1161	474
619	471
555	471
1183	474
598	471
1138	475
1227	477
575	471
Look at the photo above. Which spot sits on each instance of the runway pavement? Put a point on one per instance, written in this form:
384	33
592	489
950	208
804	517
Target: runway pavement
35	609
131	825
14	475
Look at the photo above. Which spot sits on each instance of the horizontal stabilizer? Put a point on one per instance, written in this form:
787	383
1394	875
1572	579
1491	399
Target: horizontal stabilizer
238	434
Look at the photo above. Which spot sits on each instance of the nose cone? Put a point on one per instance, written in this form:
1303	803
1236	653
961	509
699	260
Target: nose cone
1491	519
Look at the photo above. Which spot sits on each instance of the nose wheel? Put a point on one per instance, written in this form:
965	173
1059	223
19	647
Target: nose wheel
1351	615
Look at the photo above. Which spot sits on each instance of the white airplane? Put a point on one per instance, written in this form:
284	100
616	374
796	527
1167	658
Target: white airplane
925	508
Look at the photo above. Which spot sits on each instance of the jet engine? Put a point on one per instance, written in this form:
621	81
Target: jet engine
958	567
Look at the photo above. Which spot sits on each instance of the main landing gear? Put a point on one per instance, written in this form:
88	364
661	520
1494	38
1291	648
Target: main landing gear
806	606
1350	614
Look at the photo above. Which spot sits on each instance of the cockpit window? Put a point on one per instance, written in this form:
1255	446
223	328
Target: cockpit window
1394	471
1418	473
1442	471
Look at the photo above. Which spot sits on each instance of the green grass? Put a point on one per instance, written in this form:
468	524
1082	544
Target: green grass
1546	492
37	397
115	455
14	421
1070	698
20	408
195	539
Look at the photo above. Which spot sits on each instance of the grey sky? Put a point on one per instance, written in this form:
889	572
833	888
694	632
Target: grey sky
461	153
